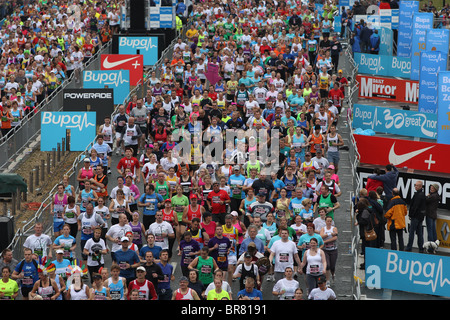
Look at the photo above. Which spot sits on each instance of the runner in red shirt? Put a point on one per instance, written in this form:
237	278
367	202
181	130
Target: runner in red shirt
131	163
145	288
217	201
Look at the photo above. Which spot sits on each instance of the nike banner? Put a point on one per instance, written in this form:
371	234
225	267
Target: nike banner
134	63
417	155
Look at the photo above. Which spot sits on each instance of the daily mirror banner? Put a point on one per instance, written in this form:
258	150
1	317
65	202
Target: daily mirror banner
383	65
388	89
431	63
407	10
80	125
395	121
118	80
407	271
443	109
422	21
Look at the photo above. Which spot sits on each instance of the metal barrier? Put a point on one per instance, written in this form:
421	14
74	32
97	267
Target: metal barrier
20	138
354	162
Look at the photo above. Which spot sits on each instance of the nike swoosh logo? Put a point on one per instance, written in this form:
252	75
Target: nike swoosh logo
109	65
396	159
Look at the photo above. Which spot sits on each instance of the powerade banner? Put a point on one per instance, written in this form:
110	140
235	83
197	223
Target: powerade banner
395	121
438	40
407	271
100	101
388	89
147	46
386	40
119	80
443	109
422	21
405	185
54	125
431	63
405	26
383	65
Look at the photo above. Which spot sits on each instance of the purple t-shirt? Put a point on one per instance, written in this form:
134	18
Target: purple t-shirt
221	253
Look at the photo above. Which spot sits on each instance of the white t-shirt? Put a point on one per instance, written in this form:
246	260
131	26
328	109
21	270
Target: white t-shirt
157	229
284	254
317	294
117	232
289	287
38	244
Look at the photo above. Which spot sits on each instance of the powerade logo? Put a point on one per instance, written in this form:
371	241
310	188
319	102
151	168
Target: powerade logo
88	95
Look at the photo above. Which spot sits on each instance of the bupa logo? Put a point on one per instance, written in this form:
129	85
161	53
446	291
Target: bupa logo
67	120
147	46
106	78
118	80
137	43
402	65
373	63
78	127
438	34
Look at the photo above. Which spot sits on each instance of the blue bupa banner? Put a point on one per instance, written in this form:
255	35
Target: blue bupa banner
438	40
407	271
54	125
118	80
431	63
147	46
422	21
383	65
386	41
405	25
395	121
443	109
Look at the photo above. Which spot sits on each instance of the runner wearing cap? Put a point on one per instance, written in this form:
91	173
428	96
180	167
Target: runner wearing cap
145	288
127	260
99	291
322	292
193	210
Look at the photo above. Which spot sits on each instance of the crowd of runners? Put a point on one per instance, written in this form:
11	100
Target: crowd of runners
240	213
